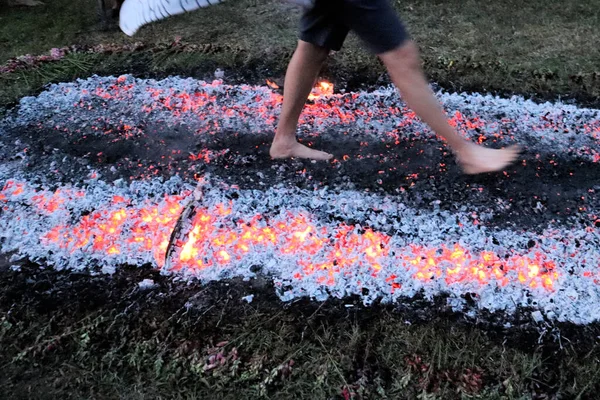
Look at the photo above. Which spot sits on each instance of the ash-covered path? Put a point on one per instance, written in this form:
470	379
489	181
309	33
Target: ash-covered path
96	172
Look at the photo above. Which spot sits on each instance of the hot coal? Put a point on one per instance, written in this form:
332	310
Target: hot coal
89	173
387	152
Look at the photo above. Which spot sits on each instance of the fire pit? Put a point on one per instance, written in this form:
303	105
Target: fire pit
96	174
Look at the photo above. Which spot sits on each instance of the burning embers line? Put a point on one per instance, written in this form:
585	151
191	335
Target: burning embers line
246	109
70	226
304	247
300	237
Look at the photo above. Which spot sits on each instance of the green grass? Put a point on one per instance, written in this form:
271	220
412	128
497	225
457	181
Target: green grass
539	44
78	337
66	336
542	48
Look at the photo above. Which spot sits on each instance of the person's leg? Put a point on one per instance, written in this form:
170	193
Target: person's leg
299	80
320	31
404	67
377	24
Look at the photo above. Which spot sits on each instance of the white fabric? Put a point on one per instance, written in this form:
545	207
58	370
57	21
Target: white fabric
137	13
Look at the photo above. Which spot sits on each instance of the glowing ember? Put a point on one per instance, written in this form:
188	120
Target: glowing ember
376	115
342	257
318	243
272	84
322	89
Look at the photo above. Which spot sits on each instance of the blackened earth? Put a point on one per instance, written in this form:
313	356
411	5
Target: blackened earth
539	190
201	314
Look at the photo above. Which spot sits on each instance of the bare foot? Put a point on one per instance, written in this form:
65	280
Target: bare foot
287	149
477	159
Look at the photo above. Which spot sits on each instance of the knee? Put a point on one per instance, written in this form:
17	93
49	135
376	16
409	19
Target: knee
406	56
313	51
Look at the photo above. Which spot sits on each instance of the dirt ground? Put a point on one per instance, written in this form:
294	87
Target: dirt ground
87	335
79	336
82	335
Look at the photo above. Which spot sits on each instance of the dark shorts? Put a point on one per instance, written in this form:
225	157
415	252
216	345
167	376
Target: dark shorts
374	21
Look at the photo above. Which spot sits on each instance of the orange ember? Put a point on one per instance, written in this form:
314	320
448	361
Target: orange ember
217	237
272	84
322	89
329	253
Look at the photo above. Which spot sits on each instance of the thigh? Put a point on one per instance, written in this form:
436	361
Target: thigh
323	26
376	24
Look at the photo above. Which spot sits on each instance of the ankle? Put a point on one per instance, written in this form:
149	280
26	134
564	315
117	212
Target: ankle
461	146
285	135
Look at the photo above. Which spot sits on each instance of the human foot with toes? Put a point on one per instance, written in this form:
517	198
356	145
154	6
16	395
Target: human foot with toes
475	159
288	148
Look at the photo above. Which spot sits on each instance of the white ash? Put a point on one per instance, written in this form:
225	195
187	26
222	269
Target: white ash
574	298
249	298
537	316
147	284
546	128
219	73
